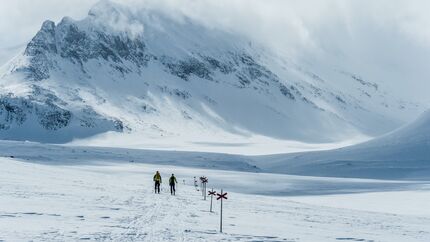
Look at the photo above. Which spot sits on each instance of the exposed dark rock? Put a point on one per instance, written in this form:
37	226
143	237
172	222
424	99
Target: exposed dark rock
185	68
286	91
10	112
54	119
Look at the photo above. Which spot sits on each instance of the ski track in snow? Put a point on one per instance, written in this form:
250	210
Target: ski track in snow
116	203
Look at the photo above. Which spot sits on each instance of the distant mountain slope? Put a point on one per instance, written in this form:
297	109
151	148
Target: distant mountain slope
404	153
152	74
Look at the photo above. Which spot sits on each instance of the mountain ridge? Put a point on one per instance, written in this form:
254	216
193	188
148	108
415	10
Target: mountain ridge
125	71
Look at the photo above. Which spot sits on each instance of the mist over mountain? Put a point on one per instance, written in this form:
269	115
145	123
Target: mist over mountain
143	72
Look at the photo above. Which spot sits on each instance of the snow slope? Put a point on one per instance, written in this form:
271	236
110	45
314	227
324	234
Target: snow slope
53	154
115	202
254	179
132	76
57	192
404	153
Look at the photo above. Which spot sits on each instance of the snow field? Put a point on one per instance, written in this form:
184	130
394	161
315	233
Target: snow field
115	202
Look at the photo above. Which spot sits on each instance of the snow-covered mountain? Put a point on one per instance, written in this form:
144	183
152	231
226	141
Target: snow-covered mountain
149	73
404	153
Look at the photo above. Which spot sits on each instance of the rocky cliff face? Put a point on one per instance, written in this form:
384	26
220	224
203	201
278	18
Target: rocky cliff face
118	70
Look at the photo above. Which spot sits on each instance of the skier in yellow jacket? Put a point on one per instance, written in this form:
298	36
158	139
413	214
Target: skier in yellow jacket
157	181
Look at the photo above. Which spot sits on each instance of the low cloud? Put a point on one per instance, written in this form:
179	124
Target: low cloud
386	40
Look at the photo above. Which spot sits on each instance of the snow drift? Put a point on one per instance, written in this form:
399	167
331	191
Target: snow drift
404	153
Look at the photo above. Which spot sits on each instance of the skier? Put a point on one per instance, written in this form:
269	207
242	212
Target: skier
172	183
157	181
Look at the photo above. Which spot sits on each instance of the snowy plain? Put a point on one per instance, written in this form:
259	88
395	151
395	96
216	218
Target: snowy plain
60	193
374	191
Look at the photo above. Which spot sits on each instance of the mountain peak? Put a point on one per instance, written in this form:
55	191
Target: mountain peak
136	69
48	25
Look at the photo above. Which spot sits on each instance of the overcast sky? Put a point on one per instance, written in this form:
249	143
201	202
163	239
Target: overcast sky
390	39
20	19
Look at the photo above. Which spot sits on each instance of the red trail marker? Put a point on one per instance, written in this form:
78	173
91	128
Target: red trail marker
203	181
221	196
212	194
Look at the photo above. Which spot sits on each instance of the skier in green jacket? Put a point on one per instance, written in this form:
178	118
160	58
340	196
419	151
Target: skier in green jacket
172	183
157	181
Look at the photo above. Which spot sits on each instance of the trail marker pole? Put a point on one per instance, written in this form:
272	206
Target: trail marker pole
203	181
195	184
201	185
221	196
212	193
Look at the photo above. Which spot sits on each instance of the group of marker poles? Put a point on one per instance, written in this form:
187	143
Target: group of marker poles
203	185
220	221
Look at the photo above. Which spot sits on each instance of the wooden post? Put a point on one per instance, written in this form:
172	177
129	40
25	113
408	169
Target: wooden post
203	181
221	196
220	223
204	184
212	193
212	196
